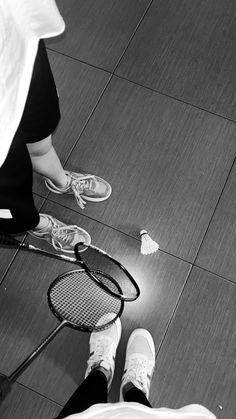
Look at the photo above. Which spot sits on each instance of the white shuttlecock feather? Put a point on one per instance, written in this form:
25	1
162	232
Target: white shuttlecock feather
148	246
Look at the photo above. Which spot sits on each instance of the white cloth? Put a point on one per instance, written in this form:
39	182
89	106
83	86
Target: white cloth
22	24
130	410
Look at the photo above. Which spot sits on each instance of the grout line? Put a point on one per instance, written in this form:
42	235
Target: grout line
96	67
36	392
175	98
9	267
193	264
171	318
88	119
112	73
122	54
132	36
216	206
215	274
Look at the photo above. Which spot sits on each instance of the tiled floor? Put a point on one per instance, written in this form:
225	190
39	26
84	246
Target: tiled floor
147	93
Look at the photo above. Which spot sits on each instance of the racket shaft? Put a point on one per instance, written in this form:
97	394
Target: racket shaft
13	242
44	252
19	370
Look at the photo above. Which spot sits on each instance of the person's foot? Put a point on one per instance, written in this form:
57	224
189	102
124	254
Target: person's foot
103	346
61	236
139	362
84	187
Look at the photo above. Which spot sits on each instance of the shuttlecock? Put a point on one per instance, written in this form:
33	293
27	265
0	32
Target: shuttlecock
148	245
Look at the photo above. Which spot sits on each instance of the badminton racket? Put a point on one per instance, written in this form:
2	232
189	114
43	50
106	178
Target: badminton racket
76	300
93	258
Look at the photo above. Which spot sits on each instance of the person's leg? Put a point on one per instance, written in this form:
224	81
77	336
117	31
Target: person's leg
46	162
100	369
39	121
17	209
92	390
134	394
40	118
139	367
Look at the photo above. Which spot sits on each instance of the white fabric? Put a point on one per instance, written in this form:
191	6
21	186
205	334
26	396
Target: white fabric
128	410
22	24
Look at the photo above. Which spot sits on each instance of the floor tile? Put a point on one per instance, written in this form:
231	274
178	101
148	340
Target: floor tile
196	363
26	318
23	403
98	32
218	250
166	161
79	87
186	49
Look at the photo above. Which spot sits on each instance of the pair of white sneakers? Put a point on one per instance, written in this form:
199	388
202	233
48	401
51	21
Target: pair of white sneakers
139	361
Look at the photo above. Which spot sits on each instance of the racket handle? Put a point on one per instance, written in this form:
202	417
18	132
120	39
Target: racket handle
5	387
8	240
19	370
51	255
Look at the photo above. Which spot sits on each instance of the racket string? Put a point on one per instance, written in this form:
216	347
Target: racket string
76	298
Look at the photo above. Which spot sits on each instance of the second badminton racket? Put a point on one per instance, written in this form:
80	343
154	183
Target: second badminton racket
77	301
89	258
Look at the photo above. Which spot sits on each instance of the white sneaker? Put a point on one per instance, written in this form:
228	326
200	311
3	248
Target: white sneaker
139	361
61	236
83	187
103	346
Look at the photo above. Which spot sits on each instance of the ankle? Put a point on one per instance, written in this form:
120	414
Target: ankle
128	386
63	182
104	371
43	224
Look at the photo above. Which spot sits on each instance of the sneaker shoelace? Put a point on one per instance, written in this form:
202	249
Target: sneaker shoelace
137	373
78	185
102	356
60	234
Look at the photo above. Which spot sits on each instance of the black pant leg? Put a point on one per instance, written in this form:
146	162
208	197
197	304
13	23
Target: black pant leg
91	391
16	178
136	395
40	118
42	112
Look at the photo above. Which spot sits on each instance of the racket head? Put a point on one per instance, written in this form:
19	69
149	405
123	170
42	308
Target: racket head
98	259
77	299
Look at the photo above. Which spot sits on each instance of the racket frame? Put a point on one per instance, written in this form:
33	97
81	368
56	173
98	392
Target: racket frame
89	271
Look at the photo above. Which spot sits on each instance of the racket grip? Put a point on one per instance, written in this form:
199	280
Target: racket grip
5	387
8	240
